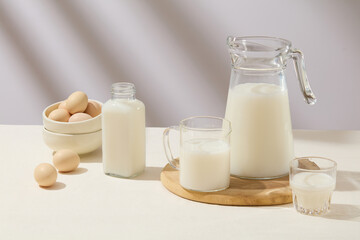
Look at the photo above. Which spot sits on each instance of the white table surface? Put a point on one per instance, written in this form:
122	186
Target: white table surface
87	204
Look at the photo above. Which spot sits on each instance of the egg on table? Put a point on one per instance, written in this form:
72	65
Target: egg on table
45	175
66	160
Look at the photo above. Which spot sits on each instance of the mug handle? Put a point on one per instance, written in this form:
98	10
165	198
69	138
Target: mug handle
174	162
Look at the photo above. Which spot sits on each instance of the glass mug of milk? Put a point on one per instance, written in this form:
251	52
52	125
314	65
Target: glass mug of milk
258	106
312	184
204	161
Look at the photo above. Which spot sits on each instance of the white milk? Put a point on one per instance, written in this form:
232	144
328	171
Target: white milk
205	164
312	190
261	138
123	126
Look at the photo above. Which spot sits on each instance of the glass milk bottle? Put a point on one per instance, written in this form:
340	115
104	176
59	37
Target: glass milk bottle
123	132
258	106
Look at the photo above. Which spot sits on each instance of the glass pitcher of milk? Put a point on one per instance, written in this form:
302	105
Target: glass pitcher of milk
258	106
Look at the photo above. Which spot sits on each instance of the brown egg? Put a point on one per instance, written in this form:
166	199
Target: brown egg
66	160
45	174
78	117
62	105
61	115
76	102
93	108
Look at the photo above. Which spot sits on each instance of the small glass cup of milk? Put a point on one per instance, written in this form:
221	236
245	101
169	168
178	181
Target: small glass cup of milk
204	161
312	180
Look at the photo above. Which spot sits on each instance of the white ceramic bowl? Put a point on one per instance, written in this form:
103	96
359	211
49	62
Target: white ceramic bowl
80	143
87	126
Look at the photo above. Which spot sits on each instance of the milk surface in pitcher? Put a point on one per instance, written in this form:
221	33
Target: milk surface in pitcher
261	137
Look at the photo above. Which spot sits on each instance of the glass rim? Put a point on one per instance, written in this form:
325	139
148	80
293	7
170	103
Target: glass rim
227	130
286	44
311	170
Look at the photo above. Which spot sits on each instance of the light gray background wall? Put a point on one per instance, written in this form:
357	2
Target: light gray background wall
175	53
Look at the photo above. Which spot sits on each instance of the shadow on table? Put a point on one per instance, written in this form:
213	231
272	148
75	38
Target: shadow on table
347	181
93	157
150	173
344	212
77	171
325	136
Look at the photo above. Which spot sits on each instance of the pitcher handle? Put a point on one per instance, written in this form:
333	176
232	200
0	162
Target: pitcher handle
299	63
174	162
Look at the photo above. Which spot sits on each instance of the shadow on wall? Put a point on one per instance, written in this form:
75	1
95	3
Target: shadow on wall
28	56
195	42
103	55
92	41
192	39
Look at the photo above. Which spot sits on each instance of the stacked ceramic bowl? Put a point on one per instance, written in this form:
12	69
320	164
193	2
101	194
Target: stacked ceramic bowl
82	137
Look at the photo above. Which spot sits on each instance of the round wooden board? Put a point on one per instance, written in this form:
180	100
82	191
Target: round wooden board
242	192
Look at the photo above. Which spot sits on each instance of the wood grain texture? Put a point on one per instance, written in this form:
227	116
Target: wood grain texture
242	192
